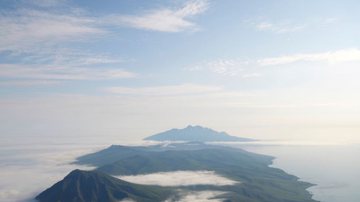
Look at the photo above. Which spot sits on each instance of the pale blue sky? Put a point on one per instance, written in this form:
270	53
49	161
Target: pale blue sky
265	69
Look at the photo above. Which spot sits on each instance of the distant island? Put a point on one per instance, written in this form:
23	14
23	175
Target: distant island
255	180
196	133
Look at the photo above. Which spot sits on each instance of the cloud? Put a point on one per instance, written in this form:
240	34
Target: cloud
127	200
37	40
227	67
44	165
28	83
184	178
203	196
180	178
165	19
345	55
65	57
252	68
279	27
46	3
40	39
25	30
49	72
182	89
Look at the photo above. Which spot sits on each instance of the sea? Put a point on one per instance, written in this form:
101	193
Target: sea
28	167
334	169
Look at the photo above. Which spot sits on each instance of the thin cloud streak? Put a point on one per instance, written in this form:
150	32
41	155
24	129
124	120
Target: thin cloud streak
182	89
279	28
345	55
245	69
165	19
253	68
45	72
23	30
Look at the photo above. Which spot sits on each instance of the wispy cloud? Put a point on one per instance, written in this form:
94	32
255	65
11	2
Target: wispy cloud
44	72
279	27
180	178
226	67
27	83
31	29
165	19
345	55
39	40
66	57
36	40
182	89
253	68
27	30
46	3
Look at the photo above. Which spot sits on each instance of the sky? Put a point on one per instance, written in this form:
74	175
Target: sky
126	69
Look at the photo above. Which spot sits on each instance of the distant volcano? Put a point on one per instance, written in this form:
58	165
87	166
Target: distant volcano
196	133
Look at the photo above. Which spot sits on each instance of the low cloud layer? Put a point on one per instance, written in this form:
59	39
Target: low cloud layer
180	178
201	196
26	170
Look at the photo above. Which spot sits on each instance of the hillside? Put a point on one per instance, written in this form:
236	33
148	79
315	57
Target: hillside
94	186
259	182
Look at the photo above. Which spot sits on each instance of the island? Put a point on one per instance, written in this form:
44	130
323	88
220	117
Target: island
255	180
196	133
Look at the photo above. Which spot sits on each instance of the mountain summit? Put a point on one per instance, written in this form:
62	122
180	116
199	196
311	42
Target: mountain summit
196	133
94	186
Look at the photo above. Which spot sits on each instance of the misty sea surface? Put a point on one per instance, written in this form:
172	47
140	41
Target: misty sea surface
333	168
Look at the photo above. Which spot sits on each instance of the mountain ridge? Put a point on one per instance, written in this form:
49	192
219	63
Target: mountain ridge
196	133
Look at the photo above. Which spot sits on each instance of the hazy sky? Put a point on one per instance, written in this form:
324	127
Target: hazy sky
283	70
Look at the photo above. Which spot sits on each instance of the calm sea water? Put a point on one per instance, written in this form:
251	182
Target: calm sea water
334	169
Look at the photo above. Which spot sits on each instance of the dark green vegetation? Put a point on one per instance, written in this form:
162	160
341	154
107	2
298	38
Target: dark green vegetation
195	133
94	186
259	183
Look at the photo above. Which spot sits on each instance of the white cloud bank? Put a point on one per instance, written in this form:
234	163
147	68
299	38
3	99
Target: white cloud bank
192	196
201	196
180	178
26	170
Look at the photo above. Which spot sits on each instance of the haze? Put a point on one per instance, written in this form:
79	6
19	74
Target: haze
269	70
